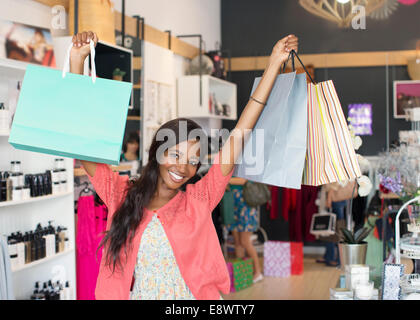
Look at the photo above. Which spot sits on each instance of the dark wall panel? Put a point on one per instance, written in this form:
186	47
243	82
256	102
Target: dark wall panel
251	28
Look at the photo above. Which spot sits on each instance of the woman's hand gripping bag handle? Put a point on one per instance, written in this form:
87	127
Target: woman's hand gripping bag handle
66	67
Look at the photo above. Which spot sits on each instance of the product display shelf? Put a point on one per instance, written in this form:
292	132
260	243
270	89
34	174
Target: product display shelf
58	208
410	246
11	68
41	261
213	89
35	199
134	118
79	172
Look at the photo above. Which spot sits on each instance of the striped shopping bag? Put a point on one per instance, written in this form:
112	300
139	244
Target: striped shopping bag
330	155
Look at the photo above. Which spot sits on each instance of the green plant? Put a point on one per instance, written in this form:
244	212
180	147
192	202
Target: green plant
118	72
355	238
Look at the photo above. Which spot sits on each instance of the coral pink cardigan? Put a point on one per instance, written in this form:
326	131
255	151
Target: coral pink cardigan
188	224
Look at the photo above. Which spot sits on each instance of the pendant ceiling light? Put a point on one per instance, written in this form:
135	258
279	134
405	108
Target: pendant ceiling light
383	12
339	11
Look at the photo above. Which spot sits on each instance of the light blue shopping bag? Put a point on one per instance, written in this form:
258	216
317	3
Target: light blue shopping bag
275	151
71	115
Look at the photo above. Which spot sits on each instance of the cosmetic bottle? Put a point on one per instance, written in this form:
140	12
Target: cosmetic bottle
45	291
27	242
50	240
63	186
60	290
40	242
21	179
37	295
41	185
14	179
44	242
3	190
51	291
17	193
55	175
34	185
61	238
20	250
68	292
15	166
12	248
56	188
57	243
57	290
63	174
34	246
26	193
49	181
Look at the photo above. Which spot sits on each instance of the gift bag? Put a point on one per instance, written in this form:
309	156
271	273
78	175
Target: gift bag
71	115
330	155
277	259
296	258
242	273
232	278
282	259
274	153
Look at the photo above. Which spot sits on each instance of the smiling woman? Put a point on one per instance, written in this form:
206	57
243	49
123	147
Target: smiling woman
162	235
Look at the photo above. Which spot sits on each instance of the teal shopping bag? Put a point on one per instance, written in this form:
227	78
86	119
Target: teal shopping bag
71	115
275	151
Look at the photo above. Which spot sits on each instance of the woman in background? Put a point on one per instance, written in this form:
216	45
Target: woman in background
246	223
131	148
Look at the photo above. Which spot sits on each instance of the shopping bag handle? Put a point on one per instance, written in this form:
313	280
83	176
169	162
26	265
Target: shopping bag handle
287	61
292	56
66	67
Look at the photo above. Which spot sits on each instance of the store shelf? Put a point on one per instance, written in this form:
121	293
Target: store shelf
36	199
41	261
388	196
134	118
80	172
212	89
12	68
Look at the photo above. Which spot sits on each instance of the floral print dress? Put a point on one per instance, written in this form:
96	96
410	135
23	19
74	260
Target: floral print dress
157	276
246	217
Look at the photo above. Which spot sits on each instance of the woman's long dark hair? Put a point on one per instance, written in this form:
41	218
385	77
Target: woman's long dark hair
128	216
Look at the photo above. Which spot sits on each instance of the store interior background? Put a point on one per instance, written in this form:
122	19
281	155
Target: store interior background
249	28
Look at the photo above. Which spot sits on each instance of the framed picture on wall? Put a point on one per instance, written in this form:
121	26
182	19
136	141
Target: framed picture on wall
26	43
406	96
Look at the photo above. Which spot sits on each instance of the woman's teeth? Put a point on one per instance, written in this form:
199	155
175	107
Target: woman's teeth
175	176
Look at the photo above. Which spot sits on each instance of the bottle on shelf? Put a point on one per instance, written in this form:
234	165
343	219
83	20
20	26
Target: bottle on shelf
45	291
20	247
12	248
68	291
37	295
27	242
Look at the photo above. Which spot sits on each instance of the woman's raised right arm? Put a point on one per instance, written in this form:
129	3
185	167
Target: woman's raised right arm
78	54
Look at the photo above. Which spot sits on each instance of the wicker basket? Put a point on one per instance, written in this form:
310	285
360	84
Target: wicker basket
94	15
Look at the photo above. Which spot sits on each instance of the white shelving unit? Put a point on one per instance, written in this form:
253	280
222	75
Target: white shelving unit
188	98
31	200
19	216
41	261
